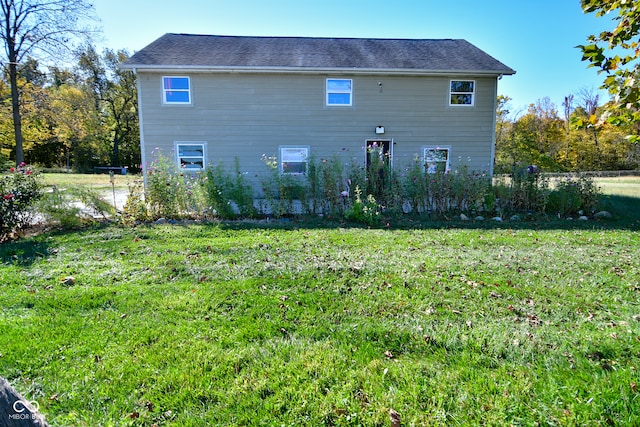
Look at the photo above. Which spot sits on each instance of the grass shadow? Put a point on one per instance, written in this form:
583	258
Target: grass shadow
26	251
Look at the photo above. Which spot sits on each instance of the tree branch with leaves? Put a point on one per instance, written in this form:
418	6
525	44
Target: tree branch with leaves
616	54
38	28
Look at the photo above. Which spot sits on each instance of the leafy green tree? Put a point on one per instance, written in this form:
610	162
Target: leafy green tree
33	104
616	52
77	127
115	96
33	28
534	138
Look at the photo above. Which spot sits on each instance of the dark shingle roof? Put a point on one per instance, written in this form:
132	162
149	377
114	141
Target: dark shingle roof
300	53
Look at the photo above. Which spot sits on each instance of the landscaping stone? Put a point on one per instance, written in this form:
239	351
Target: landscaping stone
602	214
16	411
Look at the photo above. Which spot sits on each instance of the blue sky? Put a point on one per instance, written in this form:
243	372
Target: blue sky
537	38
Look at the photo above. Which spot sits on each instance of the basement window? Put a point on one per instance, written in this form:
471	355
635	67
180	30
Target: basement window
190	156
293	160
436	159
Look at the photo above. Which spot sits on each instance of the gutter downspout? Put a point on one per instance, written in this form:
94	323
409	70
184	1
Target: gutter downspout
493	129
143	156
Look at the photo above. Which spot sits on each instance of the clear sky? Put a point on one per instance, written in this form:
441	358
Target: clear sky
537	38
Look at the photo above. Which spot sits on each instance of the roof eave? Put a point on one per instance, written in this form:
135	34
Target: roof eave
312	70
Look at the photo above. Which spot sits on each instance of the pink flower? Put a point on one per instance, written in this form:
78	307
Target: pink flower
12	170
29	172
8	196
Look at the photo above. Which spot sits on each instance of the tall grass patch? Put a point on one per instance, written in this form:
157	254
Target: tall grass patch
373	194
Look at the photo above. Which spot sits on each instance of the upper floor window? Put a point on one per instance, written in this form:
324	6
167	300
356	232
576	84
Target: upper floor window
462	92
436	159
293	160
190	156
176	90
339	92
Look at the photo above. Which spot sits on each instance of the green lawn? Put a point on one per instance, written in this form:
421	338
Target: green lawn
621	186
92	181
253	324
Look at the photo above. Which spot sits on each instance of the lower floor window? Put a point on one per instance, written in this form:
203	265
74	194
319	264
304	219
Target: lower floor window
436	159
293	160
190	155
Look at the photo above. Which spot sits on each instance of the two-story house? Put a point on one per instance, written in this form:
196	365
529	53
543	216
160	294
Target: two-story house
206	100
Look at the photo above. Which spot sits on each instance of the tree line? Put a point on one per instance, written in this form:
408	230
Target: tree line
76	117
86	115
580	137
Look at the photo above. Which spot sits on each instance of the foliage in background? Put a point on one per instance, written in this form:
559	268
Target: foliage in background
135	208
280	191
581	141
115	96
20	189
75	118
574	195
37	27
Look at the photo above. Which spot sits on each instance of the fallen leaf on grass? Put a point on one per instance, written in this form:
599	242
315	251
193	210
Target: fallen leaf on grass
68	281
340	412
395	418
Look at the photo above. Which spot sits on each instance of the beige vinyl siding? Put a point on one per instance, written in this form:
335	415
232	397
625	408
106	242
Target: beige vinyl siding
248	115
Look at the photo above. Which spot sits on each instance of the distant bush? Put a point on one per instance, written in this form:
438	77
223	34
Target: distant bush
73	206
20	188
574	195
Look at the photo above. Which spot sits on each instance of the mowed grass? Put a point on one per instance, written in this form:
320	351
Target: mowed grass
98	182
251	325
622	186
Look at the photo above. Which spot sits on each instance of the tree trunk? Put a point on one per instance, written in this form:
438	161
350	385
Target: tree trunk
115	156
16	411
15	105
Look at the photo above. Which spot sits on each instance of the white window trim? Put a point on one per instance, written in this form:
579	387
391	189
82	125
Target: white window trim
473	94
282	148
327	92
447	148
178	157
165	90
